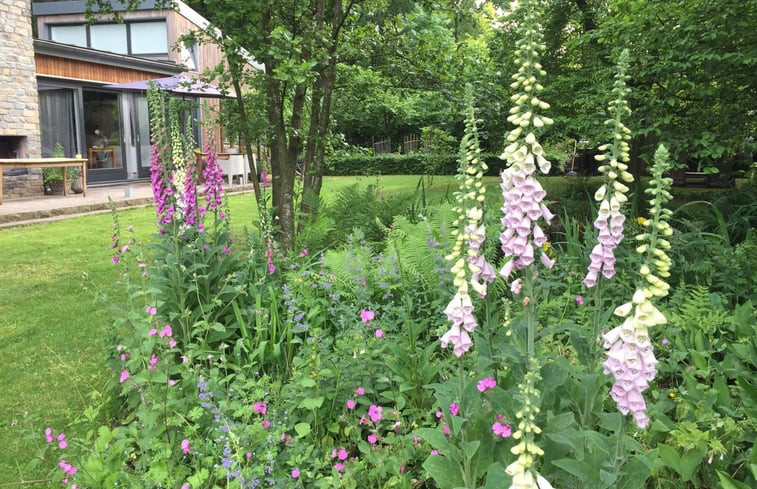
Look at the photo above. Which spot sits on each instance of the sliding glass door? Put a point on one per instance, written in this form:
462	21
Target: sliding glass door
103	138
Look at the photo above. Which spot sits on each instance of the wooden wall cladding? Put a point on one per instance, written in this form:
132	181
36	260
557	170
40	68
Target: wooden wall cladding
83	70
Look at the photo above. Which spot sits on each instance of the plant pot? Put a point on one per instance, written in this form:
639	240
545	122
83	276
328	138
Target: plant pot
76	186
55	186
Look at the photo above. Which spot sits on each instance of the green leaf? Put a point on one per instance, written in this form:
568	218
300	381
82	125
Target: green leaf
634	474
311	403
302	429
307	382
581	470
729	482
445	472
470	448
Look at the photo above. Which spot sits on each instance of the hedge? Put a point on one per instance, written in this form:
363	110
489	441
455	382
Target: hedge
393	164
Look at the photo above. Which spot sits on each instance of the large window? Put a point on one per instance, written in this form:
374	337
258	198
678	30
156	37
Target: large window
137	38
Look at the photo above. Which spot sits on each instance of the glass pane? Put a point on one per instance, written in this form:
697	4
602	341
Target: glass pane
149	38
143	123
103	129
108	37
69	34
56	117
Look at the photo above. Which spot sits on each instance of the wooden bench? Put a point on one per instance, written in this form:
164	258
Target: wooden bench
701	179
46	163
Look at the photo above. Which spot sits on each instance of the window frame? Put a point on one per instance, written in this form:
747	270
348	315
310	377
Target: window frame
127	23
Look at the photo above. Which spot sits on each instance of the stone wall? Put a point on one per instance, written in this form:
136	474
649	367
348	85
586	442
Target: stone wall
19	102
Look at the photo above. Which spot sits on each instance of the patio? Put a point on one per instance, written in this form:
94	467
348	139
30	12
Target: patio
22	212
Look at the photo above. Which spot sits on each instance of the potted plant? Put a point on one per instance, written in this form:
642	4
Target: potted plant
52	178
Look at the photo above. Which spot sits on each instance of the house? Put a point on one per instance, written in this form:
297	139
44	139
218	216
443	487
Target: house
57	85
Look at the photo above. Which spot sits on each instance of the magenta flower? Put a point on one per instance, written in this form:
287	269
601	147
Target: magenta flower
580	300
185	446
260	407
341	453
454	409
62	443
166	331
114	259
359	391
487	383
367	316
446	430
295	473
379	333
124	376
665	341
375	413
185	486
266	424
152	332
339	466
350	404
502	430
151	310
372	439
49	435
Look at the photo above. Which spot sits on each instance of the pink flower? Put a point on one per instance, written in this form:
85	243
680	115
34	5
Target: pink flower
446	430
515	287
372	439
367	316
487	383
350	404
261	407
502	430
185	446
580	300
295	474
665	341
304	253
49	435
114	259
359	391
454	409
151	310
375	413
185	486
152	332
379	333
124	376
266	423
153	362
435	452
172	343
62	443
339	466
341	454
166	331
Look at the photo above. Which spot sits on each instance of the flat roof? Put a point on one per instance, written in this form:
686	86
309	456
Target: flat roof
80	7
69	51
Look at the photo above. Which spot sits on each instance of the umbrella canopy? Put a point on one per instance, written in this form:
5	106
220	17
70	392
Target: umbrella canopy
177	84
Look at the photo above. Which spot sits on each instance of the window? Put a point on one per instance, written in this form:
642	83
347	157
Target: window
148	37
109	37
69	34
136	37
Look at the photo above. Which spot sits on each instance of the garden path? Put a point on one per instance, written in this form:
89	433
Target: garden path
22	212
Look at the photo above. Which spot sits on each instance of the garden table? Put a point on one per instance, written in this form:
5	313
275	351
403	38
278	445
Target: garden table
46	163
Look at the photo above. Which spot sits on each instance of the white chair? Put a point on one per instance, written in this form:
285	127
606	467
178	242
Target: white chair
234	166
